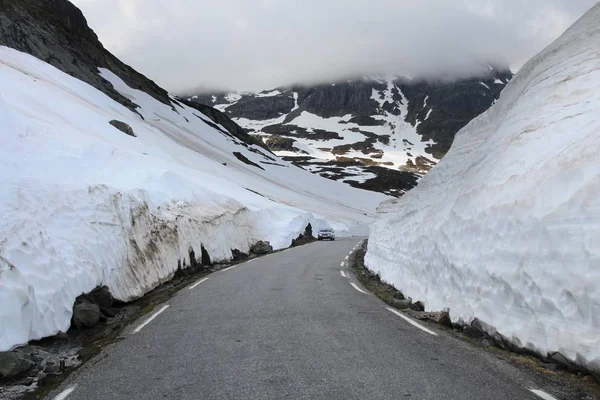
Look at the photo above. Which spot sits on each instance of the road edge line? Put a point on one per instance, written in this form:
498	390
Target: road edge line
156	314
410	321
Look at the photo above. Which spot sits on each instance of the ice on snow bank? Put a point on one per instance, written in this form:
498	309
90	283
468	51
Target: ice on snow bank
84	204
507	227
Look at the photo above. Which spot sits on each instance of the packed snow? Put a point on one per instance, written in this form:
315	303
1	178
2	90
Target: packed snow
506	228
83	204
266	94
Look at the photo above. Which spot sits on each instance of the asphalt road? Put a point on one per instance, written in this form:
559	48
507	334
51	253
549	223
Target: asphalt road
290	326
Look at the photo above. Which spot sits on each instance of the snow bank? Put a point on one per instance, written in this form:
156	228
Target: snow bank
507	227
84	204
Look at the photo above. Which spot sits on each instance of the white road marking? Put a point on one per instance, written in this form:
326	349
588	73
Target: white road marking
156	314
410	321
63	395
227	269
343	274
197	283
357	288
345	258
542	394
342	264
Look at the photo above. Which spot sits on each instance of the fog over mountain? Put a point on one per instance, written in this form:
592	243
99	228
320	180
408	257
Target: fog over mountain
242	45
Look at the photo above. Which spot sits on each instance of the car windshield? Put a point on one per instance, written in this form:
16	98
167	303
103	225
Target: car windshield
326	230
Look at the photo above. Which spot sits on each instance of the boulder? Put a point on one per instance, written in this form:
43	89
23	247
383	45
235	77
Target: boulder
13	364
440	317
100	296
401	304
261	247
123	127
86	315
418	306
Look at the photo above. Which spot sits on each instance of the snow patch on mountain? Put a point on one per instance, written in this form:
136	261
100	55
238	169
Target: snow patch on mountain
506	227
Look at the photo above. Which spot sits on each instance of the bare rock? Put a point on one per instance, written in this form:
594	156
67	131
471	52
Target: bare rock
13	364
86	315
401	304
261	247
123	127
418	306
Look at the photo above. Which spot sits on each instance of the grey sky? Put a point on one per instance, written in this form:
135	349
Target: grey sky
260	44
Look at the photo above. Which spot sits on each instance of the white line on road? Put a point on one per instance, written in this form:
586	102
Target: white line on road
542	394
343	274
227	269
357	288
345	258
410	321
342	264
156	314
63	395
197	283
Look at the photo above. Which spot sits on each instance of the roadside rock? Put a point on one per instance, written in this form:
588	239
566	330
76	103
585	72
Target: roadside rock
238	255
439	317
123	127
100	296
86	315
13	364
261	247
418	306
401	304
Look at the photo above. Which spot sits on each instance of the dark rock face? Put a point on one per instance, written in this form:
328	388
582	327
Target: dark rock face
123	127
86	315
261	247
57	32
13	364
262	108
279	143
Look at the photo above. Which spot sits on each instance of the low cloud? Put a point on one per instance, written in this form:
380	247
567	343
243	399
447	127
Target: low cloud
254	45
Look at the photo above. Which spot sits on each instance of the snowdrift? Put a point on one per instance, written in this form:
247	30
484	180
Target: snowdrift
84	204
507	227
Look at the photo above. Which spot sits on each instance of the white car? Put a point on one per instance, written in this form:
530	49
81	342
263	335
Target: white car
328	234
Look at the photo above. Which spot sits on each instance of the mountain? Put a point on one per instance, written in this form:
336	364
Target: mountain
377	134
107	180
506	227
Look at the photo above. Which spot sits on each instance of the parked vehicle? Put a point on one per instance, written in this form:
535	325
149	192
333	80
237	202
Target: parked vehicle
328	234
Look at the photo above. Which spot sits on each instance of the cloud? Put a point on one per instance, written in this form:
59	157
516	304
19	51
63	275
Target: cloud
259	44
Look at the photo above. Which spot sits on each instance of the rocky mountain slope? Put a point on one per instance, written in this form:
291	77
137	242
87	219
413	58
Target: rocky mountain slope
378	134
107	180
506	228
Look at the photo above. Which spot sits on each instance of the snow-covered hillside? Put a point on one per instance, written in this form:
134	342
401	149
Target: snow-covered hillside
84	204
506	228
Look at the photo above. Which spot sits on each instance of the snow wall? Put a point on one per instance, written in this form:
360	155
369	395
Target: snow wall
506	228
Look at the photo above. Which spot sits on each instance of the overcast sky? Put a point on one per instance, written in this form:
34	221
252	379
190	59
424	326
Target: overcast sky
260	44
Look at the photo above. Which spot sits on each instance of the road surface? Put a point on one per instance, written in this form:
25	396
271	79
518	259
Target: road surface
291	325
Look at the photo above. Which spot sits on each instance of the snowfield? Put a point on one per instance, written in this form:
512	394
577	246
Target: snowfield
506	228
83	204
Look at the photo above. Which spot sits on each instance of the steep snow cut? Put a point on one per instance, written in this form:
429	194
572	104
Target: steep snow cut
506	228
84	204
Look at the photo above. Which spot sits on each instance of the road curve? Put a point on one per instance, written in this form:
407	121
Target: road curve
290	326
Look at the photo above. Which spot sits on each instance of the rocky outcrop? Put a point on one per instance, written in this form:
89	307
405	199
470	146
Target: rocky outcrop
57	32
